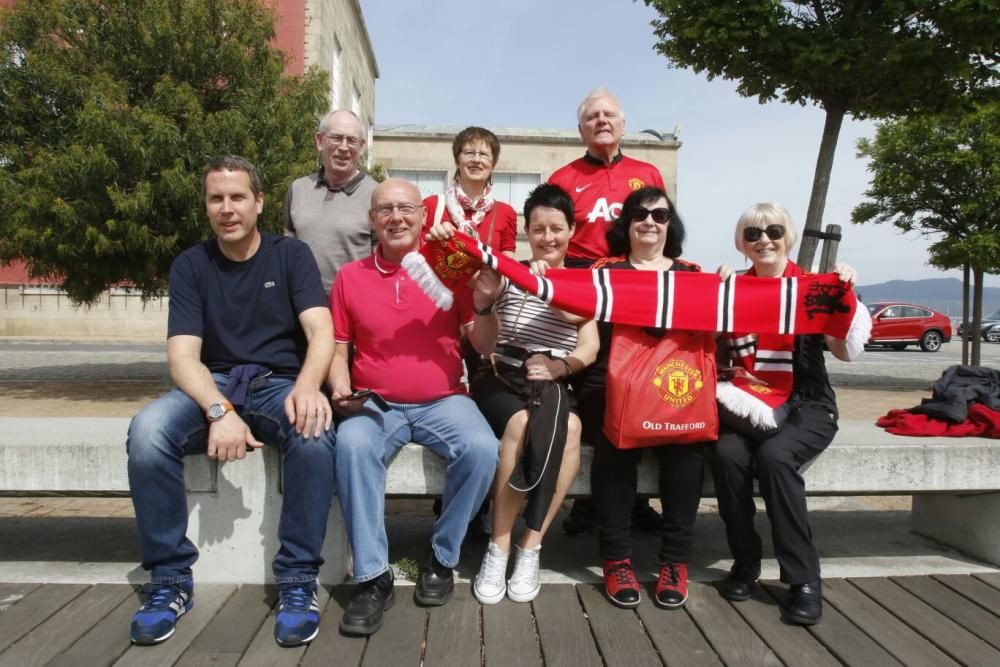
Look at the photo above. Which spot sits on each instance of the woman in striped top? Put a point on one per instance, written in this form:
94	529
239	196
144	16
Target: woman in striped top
549	346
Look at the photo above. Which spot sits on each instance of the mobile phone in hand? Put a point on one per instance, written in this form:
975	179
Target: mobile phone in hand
368	393
360	393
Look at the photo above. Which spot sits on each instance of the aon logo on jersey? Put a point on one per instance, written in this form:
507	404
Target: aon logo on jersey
603	211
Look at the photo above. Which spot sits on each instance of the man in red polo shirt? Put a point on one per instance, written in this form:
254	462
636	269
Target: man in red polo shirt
598	183
406	351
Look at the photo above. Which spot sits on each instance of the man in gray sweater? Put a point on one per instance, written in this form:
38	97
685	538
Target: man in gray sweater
328	210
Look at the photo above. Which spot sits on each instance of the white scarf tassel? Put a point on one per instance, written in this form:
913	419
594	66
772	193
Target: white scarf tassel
743	404
421	272
859	332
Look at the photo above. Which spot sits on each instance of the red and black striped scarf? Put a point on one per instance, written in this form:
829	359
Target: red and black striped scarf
765	377
694	301
774	309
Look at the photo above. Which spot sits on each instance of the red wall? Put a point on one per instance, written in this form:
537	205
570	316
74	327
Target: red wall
291	32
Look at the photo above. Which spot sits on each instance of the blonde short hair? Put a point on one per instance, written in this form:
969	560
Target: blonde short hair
764	214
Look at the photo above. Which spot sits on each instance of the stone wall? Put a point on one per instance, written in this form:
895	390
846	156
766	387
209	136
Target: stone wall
32	312
341	20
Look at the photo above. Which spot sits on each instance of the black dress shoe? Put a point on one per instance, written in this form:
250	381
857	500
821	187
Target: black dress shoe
435	585
738	584
363	615
805	603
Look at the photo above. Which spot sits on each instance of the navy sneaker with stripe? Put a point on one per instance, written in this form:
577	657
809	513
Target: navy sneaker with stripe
157	618
298	614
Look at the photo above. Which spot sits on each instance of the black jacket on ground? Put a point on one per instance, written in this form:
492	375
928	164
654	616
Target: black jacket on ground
959	387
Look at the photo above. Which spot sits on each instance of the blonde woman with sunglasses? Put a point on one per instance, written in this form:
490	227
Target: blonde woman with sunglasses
803	426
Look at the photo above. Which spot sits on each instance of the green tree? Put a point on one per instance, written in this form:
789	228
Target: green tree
112	107
859	57
374	169
940	175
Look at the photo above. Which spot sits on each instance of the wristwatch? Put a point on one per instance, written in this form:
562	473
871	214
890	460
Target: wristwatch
488	310
217	411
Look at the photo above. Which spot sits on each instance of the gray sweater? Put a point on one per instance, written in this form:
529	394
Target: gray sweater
333	222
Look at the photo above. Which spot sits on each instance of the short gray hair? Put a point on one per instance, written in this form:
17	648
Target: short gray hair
598	94
325	120
764	214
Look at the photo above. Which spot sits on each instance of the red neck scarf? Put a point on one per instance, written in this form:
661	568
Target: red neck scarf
459	203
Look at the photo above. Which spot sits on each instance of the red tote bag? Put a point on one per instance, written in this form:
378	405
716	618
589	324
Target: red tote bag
660	389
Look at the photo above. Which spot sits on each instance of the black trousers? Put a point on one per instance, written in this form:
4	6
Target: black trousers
613	479
775	462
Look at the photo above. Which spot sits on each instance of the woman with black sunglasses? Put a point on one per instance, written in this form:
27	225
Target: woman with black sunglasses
798	429
648	235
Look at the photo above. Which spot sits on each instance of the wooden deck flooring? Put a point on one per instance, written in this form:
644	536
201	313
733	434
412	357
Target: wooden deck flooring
925	620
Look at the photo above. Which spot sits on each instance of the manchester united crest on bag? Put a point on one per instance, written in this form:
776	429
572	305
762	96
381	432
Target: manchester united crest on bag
678	383
660	388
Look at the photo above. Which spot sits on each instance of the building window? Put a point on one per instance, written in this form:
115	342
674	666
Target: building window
514	188
335	77
355	100
428	182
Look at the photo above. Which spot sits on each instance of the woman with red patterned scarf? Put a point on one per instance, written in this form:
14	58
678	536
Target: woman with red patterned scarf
468	202
777	412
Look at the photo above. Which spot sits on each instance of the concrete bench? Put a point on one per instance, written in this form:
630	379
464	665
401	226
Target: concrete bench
234	507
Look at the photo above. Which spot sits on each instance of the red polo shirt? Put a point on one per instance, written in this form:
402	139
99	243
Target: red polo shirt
405	347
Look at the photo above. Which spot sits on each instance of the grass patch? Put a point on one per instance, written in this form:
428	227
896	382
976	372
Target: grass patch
408	568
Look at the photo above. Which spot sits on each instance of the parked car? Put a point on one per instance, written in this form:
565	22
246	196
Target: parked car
897	325
991	333
987	323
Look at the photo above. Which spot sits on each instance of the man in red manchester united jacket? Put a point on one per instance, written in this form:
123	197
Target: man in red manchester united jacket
599	181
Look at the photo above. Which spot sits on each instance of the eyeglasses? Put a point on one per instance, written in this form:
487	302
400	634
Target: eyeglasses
385	210
660	215
753	234
337	139
472	155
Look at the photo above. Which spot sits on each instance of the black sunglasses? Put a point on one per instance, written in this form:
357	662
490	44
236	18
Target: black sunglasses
753	234
660	215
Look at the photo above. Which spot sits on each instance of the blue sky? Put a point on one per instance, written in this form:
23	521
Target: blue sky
523	63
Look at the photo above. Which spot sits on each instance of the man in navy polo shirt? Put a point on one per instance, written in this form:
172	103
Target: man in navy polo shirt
249	342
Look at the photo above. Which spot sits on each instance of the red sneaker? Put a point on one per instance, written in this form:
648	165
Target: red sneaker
672	586
620	583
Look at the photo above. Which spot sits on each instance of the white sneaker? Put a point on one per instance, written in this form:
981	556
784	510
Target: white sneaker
489	587
524	582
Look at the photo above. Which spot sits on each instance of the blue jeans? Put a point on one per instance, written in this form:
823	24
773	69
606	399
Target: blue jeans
172	427
454	429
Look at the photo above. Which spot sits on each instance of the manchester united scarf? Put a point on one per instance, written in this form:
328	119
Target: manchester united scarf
756	394
805	304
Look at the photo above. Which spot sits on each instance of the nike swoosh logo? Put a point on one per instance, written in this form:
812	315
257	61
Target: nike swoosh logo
584	187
